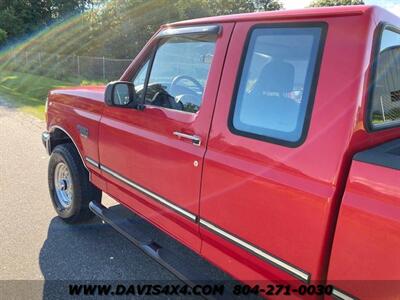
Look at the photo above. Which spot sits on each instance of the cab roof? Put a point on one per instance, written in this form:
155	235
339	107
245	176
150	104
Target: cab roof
320	12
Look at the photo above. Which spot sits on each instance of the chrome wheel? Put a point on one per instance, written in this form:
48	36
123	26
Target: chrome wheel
63	185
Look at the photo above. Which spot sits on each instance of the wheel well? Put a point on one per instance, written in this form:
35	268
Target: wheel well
59	137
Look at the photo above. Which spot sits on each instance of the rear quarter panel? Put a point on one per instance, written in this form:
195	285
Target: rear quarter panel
365	259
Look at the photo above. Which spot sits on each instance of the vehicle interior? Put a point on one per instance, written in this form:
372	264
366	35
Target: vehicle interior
179	73
276	80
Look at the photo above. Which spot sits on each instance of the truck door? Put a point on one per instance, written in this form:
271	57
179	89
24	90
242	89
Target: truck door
263	212
153	158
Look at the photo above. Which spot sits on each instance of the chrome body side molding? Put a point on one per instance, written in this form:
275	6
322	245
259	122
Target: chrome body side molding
258	252
152	195
267	257
341	295
92	162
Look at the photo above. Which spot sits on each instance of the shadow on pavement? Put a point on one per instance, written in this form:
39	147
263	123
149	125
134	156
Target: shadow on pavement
95	253
92	253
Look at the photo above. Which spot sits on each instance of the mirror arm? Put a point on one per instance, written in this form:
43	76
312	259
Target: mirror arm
140	106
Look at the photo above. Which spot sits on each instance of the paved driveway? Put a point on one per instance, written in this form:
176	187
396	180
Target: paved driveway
36	246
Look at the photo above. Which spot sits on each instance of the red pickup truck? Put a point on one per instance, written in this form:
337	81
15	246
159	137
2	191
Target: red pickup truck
268	143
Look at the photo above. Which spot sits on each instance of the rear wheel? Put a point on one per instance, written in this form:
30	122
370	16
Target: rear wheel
69	185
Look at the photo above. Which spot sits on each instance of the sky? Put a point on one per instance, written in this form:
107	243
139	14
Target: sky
391	5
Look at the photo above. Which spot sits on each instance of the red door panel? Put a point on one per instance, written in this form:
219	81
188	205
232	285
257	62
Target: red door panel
142	149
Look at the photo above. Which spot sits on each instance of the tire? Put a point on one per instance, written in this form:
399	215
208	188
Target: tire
69	185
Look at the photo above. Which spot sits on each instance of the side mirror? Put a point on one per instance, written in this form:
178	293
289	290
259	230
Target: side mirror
120	94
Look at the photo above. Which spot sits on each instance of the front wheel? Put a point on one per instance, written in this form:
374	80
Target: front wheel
69	185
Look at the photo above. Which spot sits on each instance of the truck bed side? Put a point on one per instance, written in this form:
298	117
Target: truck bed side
365	260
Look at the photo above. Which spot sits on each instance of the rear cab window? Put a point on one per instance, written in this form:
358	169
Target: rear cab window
384	101
277	81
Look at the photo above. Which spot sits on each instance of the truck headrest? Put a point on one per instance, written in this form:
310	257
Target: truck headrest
276	76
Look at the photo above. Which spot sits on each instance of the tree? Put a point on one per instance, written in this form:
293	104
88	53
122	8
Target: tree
320	3
110	28
226	7
10	22
3	36
19	17
266	5
62	8
120	28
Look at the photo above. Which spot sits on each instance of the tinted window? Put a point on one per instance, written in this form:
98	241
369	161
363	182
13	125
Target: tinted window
385	101
275	83
179	72
140	78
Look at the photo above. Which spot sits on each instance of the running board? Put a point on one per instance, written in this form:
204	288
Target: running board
190	269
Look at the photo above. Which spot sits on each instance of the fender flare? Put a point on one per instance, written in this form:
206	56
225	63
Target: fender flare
51	130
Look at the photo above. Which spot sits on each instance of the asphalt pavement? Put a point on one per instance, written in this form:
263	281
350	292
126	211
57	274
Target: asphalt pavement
36	247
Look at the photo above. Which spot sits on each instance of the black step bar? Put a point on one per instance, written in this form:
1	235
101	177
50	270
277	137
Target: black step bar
197	272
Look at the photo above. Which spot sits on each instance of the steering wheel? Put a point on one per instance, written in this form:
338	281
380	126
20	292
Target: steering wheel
178	78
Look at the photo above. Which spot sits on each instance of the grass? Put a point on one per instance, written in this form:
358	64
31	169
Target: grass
28	92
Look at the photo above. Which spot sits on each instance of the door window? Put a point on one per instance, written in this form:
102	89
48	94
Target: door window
276	83
140	78
179	72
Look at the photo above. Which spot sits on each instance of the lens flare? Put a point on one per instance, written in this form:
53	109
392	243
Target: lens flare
81	49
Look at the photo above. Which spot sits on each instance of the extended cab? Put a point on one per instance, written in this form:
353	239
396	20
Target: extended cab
268	143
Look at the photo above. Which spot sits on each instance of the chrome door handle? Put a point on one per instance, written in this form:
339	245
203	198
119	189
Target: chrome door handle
194	138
